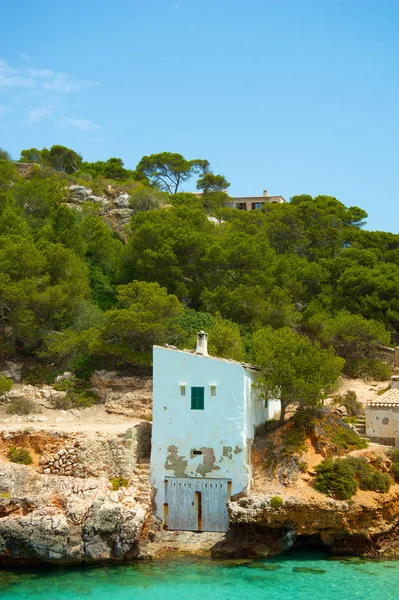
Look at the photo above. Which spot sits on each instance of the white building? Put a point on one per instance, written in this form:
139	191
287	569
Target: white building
382	416
205	411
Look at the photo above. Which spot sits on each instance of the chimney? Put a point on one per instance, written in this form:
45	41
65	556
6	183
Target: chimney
395	382
202	343
265	194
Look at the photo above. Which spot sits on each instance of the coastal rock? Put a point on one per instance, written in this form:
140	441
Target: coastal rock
64	520
367	526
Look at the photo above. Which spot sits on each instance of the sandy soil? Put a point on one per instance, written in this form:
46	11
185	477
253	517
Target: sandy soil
94	419
365	390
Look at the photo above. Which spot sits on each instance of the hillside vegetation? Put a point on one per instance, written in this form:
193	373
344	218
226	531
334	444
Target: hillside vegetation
73	293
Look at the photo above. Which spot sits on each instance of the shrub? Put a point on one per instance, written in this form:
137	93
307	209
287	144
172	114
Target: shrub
276	502
346	440
79	395
340	478
19	455
5	384
368	368
40	374
118	482
350	402
21	406
395	464
367	476
335	478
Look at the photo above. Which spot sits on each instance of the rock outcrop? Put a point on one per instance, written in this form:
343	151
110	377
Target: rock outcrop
367	526
113	207
66	520
130	396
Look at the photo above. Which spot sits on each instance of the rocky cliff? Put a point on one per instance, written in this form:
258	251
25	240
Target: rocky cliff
62	519
367	526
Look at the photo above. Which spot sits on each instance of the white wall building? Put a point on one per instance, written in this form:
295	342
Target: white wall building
382	416
205	411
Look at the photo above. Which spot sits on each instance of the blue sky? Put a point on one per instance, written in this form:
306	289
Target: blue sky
296	96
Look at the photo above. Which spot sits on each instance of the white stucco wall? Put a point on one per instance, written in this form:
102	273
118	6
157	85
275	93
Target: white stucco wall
382	422
219	431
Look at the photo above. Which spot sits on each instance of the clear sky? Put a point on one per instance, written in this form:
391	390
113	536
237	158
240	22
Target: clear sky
293	96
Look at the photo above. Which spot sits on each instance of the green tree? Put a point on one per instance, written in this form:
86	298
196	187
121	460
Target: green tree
62	158
32	155
144	198
4	155
293	369
225	339
209	183
353	336
145	316
168	170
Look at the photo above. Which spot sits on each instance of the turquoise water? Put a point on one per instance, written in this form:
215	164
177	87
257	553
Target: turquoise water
294	577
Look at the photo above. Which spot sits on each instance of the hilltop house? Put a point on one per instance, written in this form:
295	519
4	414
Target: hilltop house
205	411
250	202
253	202
382	416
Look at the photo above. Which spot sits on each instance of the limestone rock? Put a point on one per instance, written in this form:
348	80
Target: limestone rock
122	201
64	520
12	370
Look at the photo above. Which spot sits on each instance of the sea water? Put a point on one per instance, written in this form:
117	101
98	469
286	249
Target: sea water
296	576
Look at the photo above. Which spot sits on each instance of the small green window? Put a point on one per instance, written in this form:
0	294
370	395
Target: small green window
197	398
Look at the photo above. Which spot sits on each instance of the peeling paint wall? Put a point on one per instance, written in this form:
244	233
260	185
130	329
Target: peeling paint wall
210	443
383	423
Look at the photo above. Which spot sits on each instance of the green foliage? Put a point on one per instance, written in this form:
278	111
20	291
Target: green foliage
19	455
350	402
21	406
5	383
335	478
353	336
225	340
292	368
304	265
367	476
4	155
395	464
79	394
341	478
345	439
168	170
368	368
62	158
119	482
31	155
276	502
40	374
210	183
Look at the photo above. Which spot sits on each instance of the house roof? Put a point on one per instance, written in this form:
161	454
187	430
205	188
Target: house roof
387	400
225	360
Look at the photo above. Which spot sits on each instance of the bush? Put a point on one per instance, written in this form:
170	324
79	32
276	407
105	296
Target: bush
276	502
340	478
335	478
39	375
350	402
346	439
19	455
368	368
21	406
118	482
395	464
5	384
79	394
367	476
